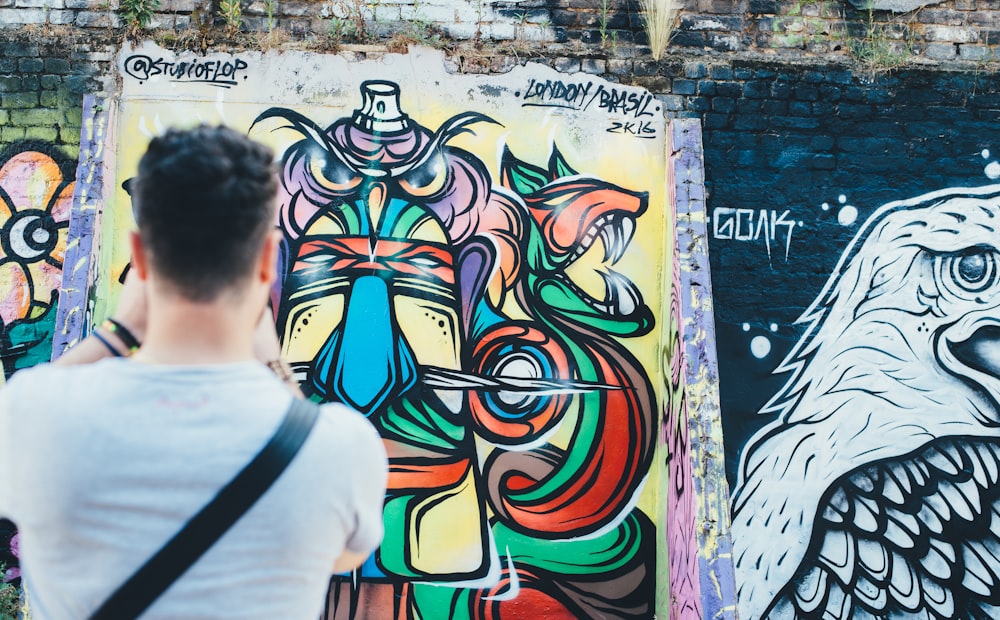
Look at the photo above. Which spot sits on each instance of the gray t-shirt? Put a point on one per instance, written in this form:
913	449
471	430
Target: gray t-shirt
101	464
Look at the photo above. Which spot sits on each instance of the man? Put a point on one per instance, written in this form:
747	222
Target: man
101	463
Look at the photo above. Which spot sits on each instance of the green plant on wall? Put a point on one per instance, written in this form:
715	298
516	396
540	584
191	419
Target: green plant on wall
270	6
232	13
603	16
137	13
881	47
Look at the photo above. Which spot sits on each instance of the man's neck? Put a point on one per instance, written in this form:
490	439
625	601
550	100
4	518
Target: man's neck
184	332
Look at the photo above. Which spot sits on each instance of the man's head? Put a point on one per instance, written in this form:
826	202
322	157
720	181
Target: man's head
204	203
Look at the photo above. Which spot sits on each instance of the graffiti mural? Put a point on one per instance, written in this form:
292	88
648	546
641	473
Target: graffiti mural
478	268
874	492
402	259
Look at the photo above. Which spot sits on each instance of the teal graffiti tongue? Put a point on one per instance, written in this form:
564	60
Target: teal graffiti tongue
365	361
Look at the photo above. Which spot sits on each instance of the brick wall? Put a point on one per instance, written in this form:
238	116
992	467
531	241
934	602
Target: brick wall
42	82
954	30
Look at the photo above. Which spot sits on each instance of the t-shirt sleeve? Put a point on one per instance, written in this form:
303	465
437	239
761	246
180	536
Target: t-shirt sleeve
370	476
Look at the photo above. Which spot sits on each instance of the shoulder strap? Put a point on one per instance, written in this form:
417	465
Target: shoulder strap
134	596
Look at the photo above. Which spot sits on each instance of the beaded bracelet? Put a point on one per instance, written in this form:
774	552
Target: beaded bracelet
123	333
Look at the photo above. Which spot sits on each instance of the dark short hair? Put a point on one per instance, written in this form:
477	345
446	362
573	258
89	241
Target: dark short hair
204	200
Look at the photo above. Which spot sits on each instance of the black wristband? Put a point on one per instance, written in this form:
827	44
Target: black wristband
107	344
123	333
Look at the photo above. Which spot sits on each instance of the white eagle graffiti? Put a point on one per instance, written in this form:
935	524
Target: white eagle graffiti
875	493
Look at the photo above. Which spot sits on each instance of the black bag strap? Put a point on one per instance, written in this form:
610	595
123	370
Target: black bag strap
135	595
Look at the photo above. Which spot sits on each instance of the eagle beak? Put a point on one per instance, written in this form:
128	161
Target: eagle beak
981	351
970	350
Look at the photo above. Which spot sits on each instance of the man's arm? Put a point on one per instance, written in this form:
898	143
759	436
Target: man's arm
369	476
130	315
349	560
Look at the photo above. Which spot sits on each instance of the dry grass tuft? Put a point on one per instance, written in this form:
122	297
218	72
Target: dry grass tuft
659	18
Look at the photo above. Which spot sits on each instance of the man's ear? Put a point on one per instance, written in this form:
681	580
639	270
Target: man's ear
267	269
139	262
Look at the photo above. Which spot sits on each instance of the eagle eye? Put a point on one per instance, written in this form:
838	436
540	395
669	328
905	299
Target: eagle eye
974	270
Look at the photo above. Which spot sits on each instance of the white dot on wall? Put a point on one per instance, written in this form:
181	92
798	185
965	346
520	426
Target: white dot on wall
801	224
847	215
993	170
826	206
842	198
760	346
985	153
774	327
746	327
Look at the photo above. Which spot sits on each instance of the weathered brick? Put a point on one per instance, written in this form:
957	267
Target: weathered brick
21	16
49	99
683	87
39	4
950	34
723	104
720	72
30	65
4	117
102	19
671	102
974	52
57	65
619	66
11	101
800	108
9	83
11	133
694	70
940	51
29	82
567	65
594	65
50	82
36	116
45	134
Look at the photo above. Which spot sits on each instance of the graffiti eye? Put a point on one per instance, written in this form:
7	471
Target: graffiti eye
426	262
331	173
974	270
29	235
426	180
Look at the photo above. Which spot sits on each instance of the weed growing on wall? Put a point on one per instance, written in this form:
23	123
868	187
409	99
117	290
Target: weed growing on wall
269	7
602	19
137	14
881	47
659	18
232	13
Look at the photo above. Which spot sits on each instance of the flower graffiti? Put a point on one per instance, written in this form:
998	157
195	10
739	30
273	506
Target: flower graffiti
439	301
35	200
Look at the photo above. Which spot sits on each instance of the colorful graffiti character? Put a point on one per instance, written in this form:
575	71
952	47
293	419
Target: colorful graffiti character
876	492
35	202
437	301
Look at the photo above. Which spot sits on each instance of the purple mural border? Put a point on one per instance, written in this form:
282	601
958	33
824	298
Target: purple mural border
79	266
701	375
